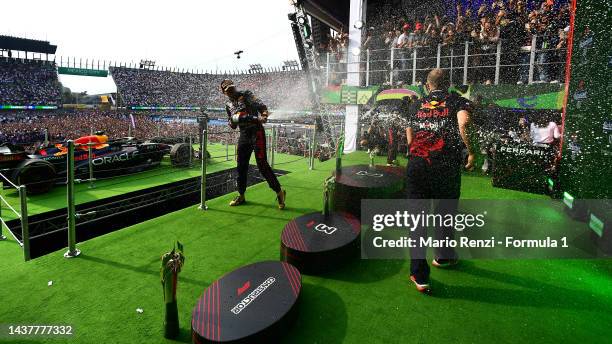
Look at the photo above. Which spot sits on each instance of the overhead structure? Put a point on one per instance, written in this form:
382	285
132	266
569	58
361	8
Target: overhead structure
147	64
333	13
322	16
28	45
256	68
291	65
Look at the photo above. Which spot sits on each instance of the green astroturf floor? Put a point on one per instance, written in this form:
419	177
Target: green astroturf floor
483	301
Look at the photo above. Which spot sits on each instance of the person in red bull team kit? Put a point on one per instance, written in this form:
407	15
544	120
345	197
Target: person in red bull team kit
248	113
437	135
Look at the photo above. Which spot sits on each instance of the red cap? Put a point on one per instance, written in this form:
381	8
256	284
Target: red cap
406	27
418	26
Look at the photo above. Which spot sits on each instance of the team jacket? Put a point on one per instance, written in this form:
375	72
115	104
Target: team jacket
244	110
433	120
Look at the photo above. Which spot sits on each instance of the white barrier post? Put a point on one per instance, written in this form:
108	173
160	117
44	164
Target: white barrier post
497	62
274	138
392	58
227	146
72	250
327	71
90	163
25	229
438	56
414	66
190	150
367	80
465	63
532	56
451	66
2	237
204	162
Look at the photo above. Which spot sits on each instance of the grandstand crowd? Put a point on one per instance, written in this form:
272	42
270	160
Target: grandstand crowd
144	87
512	22
30	129
29	82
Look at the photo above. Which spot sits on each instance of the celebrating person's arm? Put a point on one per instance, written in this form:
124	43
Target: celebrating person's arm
229	118
259	106
463	118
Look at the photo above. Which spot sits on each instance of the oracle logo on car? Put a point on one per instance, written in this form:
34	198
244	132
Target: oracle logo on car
115	158
368	174
321	227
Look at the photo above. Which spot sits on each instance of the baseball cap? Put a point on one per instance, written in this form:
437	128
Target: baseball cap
226	84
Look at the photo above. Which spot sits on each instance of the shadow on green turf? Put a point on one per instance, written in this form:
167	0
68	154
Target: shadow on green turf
321	317
365	270
184	336
248	208
532	292
123	266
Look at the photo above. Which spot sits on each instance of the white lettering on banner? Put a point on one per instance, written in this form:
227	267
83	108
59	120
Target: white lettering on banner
522	151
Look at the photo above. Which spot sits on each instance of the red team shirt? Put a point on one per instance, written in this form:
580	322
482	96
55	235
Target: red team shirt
433	120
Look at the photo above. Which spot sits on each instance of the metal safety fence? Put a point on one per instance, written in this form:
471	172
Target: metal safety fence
226	137
298	141
22	215
468	62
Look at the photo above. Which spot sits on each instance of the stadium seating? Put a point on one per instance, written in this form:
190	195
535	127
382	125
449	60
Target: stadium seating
144	87
28	82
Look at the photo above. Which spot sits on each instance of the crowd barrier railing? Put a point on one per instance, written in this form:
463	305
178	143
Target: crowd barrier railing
22	215
465	62
310	152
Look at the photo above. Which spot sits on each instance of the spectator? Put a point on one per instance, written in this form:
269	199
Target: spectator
28	82
143	87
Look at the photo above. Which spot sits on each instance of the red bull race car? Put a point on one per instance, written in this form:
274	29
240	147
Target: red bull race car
47	166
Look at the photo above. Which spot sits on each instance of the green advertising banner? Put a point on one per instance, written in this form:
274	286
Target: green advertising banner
348	94
82	72
538	97
331	95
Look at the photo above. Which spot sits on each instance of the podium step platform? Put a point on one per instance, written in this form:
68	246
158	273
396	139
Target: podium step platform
253	304
315	243
358	182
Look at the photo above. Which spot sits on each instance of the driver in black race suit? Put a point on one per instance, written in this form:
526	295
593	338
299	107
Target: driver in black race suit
437	135
248	113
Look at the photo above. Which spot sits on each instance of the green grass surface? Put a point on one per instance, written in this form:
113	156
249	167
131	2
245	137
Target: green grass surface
484	301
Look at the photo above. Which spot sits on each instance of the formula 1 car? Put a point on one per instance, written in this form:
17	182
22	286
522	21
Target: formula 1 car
47	166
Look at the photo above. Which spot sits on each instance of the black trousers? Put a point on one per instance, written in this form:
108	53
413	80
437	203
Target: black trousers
427	180
254	139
